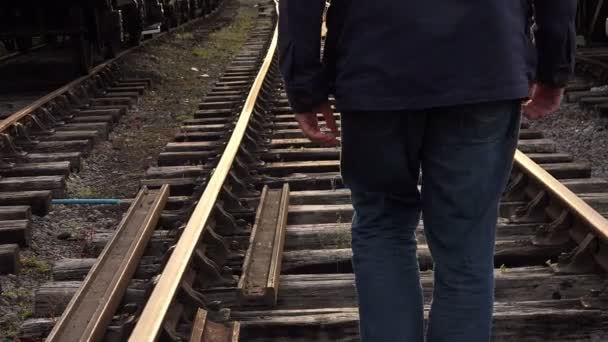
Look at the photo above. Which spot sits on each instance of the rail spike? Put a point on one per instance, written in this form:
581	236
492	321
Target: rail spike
225	223
242	170
533	211
240	187
46	112
21	131
42	128
580	260
597	298
249	158
209	273
233	203
555	232
217	247
9	146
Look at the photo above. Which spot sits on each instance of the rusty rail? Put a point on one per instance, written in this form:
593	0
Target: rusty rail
92	307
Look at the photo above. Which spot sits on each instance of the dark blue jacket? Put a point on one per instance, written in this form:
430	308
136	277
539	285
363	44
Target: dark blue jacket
410	54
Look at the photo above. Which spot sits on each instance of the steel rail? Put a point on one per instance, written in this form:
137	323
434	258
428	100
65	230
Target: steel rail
91	309
150	322
12	55
565	196
29	109
26	111
590	60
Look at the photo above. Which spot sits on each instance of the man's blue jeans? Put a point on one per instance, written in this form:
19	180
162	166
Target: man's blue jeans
465	154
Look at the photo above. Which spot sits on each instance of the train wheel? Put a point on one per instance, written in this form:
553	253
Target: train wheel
83	53
24	43
9	45
208	6
110	27
185	11
50	39
173	17
196	9
111	48
165	25
134	24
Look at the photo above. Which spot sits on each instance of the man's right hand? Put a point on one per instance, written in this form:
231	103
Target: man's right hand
309	124
543	101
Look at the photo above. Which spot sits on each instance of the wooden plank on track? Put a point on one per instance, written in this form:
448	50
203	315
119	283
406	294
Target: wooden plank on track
204	330
285	168
334	290
55	184
176	171
512	251
92	307
16	231
9	259
526	146
521	321
205	128
39	201
15	212
77	269
72	157
259	284
193	146
586	185
38	169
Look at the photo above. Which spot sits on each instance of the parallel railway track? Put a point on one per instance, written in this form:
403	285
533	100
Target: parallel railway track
11	55
254	244
590	90
43	142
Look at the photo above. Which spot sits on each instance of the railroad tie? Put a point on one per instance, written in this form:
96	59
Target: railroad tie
9	259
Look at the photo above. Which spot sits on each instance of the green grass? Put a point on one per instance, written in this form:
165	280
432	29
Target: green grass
184	116
36	264
20	299
185	35
25	312
83	191
15	293
227	41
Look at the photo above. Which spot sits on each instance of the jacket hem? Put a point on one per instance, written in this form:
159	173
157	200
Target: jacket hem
363	102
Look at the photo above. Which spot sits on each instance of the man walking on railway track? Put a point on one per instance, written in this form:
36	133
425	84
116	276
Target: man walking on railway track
436	87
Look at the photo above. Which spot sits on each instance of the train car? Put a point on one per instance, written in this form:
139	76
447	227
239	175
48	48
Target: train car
180	11
93	28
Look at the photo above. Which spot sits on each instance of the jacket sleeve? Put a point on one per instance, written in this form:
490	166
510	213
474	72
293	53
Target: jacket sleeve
300	53
555	39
